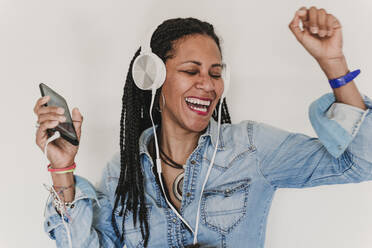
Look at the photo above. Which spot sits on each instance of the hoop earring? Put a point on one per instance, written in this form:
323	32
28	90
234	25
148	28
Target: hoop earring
163	102
215	112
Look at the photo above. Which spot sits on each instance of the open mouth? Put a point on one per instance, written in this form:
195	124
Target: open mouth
198	105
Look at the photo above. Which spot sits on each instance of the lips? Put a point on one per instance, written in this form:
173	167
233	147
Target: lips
198	105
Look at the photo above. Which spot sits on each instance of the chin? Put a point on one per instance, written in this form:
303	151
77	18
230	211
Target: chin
197	126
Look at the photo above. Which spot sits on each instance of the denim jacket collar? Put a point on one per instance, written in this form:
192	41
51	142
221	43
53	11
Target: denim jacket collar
211	131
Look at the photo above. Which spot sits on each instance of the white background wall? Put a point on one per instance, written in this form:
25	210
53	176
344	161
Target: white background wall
82	49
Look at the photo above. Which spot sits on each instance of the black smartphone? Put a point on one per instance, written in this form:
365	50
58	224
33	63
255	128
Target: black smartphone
66	129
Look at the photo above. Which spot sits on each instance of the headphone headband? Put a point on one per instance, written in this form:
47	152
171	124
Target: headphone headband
146	43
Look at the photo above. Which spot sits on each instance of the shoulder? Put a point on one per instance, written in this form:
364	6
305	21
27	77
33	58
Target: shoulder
249	132
238	133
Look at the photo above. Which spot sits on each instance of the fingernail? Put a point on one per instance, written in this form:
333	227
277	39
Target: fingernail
314	30
63	119
322	33
301	12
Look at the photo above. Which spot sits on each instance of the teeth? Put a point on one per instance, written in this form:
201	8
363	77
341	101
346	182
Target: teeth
198	101
199	109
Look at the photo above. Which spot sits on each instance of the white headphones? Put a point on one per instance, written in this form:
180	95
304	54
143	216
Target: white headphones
149	73
148	69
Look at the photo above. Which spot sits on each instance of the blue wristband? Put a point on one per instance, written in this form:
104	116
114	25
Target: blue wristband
338	82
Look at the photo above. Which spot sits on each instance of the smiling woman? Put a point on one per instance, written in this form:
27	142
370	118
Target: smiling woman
192	87
218	181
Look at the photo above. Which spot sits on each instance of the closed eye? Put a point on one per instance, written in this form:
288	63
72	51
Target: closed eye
191	72
196	72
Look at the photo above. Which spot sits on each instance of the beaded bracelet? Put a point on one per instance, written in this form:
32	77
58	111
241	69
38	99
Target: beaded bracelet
62	188
62	170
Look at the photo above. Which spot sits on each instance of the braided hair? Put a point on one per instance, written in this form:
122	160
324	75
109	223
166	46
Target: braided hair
135	119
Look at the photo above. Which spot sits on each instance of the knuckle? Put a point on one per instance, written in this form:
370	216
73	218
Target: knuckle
40	118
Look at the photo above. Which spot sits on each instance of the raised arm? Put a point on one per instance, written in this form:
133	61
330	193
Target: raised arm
341	154
322	38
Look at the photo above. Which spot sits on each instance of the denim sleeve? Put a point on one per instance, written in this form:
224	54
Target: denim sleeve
342	153
89	221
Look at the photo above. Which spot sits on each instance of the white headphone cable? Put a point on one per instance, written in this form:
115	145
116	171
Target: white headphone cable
158	165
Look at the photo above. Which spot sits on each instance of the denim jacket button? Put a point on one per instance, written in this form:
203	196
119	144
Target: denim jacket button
193	162
174	220
188	194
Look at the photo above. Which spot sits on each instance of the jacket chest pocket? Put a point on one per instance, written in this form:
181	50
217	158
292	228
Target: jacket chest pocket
224	206
132	236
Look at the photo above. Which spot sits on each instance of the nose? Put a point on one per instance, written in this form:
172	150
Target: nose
205	82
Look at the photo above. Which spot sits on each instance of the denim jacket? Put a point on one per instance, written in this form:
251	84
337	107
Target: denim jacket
253	160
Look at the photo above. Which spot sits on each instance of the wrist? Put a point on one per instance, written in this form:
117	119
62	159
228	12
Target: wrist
62	164
62	170
334	68
63	179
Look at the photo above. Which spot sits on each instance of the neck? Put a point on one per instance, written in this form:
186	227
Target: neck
178	143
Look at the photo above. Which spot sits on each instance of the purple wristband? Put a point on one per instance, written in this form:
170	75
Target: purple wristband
338	82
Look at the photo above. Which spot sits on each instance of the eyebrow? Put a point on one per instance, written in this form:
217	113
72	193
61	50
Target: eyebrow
198	63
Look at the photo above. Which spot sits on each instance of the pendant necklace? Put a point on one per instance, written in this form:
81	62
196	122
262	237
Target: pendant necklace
178	182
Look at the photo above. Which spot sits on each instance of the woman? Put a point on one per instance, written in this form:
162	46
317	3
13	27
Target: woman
252	160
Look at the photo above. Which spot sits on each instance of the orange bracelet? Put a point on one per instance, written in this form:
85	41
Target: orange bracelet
60	170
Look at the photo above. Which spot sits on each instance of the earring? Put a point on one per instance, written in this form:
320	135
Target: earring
163	102
215	112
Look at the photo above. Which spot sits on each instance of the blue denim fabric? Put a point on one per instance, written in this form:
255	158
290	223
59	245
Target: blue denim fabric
252	161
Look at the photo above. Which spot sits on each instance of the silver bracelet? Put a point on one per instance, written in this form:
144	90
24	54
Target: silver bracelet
58	204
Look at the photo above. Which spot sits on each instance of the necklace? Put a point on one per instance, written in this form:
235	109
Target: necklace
178	182
168	160
177	187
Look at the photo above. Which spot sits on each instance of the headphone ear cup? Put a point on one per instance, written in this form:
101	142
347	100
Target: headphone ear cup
161	72
148	71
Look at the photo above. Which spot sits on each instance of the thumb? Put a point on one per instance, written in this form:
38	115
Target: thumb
77	120
294	26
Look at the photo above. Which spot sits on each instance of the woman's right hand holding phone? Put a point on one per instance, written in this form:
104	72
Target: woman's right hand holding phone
60	152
